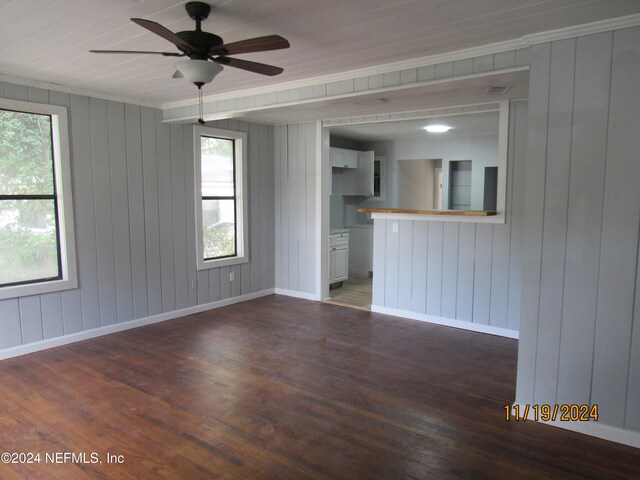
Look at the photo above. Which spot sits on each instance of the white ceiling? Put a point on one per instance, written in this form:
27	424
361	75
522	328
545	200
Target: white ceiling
463	125
49	40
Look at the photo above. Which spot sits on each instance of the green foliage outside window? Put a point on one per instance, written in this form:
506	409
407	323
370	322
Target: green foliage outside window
218	240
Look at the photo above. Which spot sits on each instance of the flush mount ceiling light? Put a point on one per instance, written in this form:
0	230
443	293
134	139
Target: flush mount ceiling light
437	128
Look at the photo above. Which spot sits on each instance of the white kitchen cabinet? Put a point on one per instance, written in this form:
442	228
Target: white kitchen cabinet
338	256
359	182
343	158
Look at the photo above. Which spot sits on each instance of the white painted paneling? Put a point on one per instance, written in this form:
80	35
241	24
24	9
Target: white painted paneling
581	228
134	219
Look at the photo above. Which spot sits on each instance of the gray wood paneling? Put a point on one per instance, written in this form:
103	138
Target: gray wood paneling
52	323
99	123
151	209
536	160
462	271
31	319
85	222
434	268
72	311
392	258
379	262
189	193
619	243
466	271
10	323
482	274
555	216
418	267
406	264
179	212
295	207
450	269
134	212
584	341
135	195
588	149
120	212
518	151
165	212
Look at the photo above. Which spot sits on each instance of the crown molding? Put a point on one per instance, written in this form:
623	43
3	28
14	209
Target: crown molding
27	82
489	49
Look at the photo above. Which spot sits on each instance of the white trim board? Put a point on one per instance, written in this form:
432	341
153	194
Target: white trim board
447	322
297	294
120	327
591	428
85	92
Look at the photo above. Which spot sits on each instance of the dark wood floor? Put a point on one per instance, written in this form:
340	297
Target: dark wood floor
279	388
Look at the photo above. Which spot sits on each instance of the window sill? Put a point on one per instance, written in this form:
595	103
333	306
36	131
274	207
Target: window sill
17	291
222	262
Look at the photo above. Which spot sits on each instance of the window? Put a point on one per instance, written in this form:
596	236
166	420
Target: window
221	202
36	229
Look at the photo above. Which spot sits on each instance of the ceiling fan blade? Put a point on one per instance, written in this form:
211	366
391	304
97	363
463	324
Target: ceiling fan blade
177	74
163	32
259	44
255	67
166	54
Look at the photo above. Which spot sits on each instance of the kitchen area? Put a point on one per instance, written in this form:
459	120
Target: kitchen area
388	166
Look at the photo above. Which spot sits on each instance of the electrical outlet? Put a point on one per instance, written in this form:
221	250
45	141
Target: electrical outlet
194	284
232	276
394	227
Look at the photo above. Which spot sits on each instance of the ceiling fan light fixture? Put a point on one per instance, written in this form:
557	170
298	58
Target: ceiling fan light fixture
198	72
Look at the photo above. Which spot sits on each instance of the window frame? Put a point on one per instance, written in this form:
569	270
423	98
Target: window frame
240	148
63	202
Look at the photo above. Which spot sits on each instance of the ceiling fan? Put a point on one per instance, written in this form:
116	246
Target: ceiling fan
206	51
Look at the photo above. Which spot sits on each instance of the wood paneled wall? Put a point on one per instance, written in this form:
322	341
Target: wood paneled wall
461	271
580	330
135	221
295	205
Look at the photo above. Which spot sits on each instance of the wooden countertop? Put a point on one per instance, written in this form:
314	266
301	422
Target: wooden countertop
461	213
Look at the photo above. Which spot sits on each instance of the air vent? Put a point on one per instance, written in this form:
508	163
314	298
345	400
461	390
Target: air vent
497	89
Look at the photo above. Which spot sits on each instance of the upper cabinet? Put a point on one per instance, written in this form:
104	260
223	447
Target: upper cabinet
359	181
343	158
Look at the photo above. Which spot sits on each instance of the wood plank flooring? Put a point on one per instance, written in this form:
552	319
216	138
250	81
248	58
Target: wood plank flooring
281	388
354	292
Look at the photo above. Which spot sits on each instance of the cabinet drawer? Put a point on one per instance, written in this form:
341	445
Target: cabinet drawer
338	239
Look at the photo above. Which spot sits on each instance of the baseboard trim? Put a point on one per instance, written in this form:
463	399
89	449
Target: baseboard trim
448	322
591	428
297	294
119	327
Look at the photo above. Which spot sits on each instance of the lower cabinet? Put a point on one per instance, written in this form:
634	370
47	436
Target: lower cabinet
338	257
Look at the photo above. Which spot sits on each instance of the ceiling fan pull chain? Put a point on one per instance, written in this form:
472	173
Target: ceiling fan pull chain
201	109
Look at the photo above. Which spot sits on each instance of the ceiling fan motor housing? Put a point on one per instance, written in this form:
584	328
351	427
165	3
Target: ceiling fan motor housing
201	42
